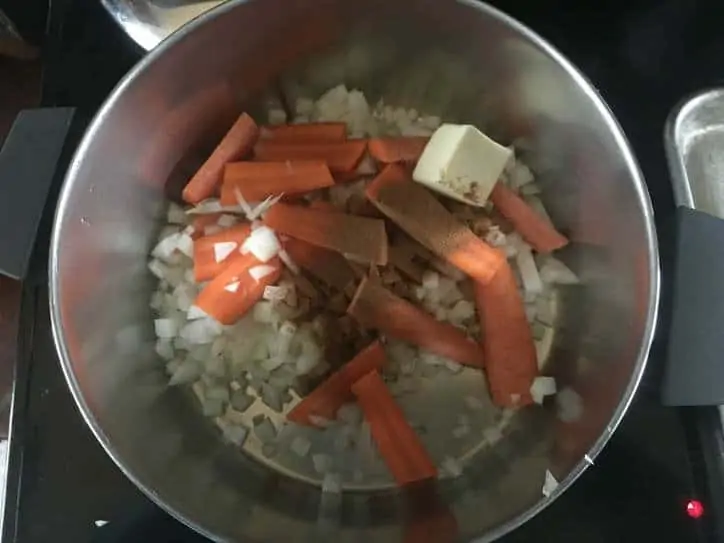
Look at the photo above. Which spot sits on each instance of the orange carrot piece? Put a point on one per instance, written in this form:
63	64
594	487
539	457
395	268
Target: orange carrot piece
374	306
355	237
207	251
391	150
259	180
327	266
308	132
328	397
340	156
414	209
234	291
536	230
401	449
237	142
510	356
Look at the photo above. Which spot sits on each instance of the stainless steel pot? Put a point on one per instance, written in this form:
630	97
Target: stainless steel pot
464	61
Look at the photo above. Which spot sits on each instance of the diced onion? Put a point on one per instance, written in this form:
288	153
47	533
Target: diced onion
275	293
164	349
260	272
243	204
322	463
188	371
165	328
543	346
542	387
549	484
166	247
288	262
200	331
263	244
158	268
195	312
175	214
265	430
235	434
474	403
430	280
223	249
451	467
300	446
554	271
570	405
226	221
528	271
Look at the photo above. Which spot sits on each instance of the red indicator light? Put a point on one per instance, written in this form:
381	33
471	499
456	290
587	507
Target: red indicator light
694	509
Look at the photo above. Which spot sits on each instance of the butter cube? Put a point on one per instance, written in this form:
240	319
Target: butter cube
462	163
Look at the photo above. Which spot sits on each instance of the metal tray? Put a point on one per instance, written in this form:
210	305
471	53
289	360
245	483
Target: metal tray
694	142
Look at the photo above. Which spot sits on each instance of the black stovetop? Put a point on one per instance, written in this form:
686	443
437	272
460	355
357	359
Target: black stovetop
643	56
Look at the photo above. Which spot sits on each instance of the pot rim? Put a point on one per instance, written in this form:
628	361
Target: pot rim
623	144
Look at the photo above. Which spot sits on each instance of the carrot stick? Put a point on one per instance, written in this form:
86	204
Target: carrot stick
376	307
391	150
327	266
259	180
414	209
355	237
340	156
328	397
401	449
510	356
308	132
212	253
234	291
536	230
237	142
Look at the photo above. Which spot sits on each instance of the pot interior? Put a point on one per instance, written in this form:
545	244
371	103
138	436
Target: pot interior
464	62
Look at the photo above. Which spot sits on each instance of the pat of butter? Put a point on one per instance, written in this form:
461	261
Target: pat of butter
462	163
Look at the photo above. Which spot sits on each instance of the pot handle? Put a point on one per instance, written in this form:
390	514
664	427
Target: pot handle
29	161
695	344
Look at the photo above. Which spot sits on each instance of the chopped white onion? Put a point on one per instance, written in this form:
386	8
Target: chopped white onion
260	272
223	249
276	116
300	446
460	431
235	434
570	405
263	244
545	309
264	313
474	403
185	244
265	430
528	270
211	205
165	248
320	422
165	328
200	331
164	349
226	221
195	312
175	214
451	467
158	268
430	280
553	271
274	293
462	311
243	204
543	346
549	484
188	371
453	366
271	364
542	387
495	237
322	463
263	207
232	287
492	435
